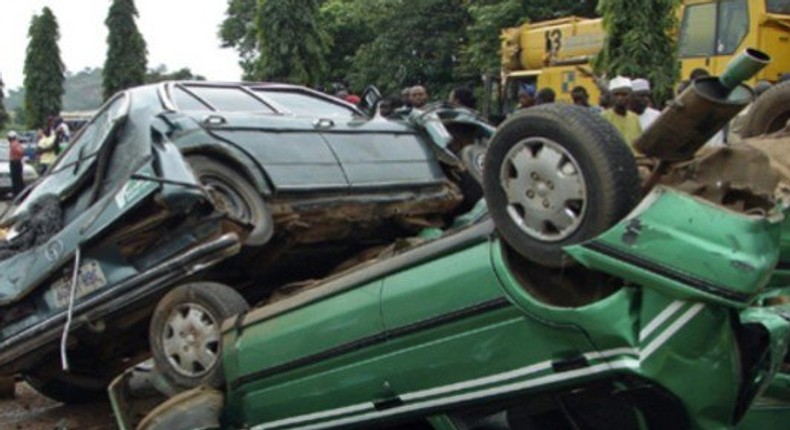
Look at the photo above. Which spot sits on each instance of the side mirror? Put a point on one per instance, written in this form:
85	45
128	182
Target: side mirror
371	97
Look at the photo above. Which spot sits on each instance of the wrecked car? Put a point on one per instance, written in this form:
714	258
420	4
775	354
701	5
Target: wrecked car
171	179
635	313
118	220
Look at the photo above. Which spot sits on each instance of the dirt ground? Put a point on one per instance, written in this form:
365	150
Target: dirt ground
32	411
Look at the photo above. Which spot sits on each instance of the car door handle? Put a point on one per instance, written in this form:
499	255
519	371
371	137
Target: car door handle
323	123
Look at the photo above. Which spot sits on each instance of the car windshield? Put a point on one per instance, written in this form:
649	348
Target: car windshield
304	104
777	6
90	138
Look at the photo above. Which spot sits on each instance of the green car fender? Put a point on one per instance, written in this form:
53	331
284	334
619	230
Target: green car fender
689	248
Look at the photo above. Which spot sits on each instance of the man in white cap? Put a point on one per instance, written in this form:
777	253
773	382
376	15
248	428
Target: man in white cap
641	103
625	121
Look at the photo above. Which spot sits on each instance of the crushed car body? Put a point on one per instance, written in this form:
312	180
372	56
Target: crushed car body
651	320
171	179
113	223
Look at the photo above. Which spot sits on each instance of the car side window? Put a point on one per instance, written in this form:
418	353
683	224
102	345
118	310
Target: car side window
303	104
229	99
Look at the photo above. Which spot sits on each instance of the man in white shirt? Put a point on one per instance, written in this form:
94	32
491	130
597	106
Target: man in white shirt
641	103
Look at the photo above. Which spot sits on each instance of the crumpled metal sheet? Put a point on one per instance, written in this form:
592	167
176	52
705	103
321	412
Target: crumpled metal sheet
740	177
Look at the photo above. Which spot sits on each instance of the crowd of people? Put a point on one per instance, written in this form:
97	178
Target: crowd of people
50	140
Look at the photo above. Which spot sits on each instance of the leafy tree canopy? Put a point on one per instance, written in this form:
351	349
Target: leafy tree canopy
639	42
44	70
293	46
126	60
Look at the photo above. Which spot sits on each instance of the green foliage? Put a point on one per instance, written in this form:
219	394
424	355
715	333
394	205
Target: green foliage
238	31
44	70
348	25
126	60
639	42
416	42
4	117
160	74
293	47
480	53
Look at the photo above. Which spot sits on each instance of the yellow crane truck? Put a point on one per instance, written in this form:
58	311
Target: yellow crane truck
557	53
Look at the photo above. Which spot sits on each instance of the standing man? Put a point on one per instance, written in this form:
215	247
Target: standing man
625	121
641	103
15	154
46	147
418	96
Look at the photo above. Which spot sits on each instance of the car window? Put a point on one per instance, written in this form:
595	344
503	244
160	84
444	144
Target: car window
93	135
777	6
186	101
228	99
303	104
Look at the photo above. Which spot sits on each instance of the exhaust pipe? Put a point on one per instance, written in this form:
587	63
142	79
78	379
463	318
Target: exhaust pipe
703	109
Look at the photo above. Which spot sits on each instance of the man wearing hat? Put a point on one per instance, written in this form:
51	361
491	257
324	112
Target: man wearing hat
641	102
15	154
625	121
526	96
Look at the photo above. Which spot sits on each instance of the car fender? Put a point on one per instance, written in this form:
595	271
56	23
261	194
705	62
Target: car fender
233	156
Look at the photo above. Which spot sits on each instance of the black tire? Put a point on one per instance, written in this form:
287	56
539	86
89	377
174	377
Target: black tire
575	170
239	198
770	112
67	388
192	356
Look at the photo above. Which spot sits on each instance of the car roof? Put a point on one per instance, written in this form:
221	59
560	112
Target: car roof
249	92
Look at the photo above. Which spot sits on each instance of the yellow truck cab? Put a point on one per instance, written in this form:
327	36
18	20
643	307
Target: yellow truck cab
557	53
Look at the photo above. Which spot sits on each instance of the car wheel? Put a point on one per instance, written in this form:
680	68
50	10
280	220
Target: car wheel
236	196
185	332
770	112
557	175
64	387
472	156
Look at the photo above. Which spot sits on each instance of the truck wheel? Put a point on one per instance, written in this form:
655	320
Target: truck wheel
237	196
556	175
185	332
770	112
69	388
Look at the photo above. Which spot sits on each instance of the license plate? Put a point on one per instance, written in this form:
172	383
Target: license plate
89	279
5	181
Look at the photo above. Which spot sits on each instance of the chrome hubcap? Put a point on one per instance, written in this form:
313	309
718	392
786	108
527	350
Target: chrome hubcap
191	340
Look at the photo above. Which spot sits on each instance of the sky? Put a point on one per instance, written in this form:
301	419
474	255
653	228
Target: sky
178	34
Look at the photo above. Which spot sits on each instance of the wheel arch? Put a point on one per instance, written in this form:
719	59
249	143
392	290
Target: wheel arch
235	158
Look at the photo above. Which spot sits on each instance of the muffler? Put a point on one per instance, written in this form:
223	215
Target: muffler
703	109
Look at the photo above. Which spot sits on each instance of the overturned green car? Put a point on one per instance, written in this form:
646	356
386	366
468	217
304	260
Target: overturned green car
645	322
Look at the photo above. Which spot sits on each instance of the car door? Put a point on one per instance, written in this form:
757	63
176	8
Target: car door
371	153
288	148
307	359
455	336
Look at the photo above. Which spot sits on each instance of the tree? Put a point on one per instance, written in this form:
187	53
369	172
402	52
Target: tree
125	65
238	31
44	70
416	43
3	112
639	42
348	24
293	47
160	74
